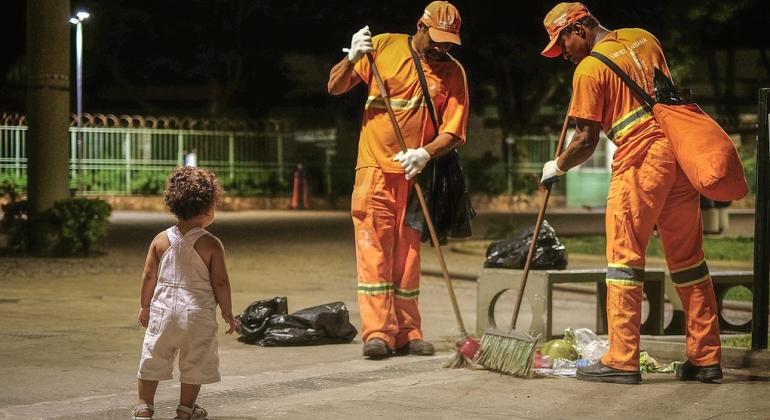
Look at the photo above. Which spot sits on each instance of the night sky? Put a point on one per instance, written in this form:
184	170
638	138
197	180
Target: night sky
257	58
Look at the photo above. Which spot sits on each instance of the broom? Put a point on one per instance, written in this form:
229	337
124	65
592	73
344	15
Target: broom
466	345
510	351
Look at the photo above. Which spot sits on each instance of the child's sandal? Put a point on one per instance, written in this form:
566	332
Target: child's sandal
196	412
142	407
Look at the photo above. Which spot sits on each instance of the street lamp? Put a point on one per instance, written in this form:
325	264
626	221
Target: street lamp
77	20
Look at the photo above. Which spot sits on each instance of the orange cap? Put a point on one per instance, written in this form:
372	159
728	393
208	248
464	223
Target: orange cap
561	16
443	22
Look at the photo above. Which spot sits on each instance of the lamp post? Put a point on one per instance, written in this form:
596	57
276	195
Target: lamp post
77	20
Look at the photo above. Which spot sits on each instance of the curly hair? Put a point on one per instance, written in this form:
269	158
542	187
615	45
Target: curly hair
191	192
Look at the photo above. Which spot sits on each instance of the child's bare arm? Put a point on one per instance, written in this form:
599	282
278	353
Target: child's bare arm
149	280
220	281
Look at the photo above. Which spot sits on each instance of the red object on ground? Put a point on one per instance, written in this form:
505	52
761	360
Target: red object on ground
300	190
469	348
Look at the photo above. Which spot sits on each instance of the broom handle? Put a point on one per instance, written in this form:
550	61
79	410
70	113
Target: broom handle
538	224
420	197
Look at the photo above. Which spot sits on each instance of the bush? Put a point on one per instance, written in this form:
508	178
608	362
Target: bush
11	186
16	225
149	183
488	175
73	226
78	224
485	174
252	183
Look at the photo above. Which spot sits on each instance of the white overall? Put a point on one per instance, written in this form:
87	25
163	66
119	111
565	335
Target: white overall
182	316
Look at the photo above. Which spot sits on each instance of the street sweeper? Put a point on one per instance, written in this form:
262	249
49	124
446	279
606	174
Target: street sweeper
388	251
617	74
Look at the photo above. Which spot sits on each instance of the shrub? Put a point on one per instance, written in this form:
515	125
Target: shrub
78	224
75	224
16	225
149	183
11	186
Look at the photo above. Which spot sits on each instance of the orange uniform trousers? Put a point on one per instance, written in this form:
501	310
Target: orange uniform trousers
387	258
648	191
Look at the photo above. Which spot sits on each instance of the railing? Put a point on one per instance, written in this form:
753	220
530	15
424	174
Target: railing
137	160
124	161
123	157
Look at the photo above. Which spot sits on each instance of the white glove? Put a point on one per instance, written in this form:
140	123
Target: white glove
360	44
413	161
551	173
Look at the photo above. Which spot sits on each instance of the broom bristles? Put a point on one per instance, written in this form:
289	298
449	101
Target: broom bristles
508	352
457	361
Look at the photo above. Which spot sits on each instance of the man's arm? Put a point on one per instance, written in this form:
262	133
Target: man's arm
442	144
582	146
342	77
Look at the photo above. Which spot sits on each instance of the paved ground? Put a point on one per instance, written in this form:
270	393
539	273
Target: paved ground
69	343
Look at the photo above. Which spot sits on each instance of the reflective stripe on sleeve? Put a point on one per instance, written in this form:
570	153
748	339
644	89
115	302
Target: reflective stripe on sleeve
627	122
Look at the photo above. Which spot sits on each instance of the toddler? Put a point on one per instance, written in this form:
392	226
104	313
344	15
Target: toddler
183	281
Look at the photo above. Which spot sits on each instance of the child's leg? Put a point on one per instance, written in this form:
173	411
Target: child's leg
188	393
146	394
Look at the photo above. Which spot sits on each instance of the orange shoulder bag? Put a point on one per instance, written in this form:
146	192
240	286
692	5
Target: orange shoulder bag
703	150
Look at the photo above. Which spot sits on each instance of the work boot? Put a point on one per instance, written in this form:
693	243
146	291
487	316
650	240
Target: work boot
711	374
417	347
599	372
376	348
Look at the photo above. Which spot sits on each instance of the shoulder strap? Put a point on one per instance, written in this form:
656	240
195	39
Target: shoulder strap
640	93
424	84
194	234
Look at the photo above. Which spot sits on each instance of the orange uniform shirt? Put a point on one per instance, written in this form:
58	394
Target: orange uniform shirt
600	95
378	143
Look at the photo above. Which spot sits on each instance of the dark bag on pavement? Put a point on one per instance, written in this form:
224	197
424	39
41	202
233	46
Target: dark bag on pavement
443	184
323	324
550	253
703	150
254	319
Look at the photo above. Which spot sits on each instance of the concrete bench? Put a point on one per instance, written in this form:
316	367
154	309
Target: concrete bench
493	282
723	281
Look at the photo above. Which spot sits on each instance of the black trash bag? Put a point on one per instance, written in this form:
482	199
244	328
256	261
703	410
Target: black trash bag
323	324
254	319
448	202
550	253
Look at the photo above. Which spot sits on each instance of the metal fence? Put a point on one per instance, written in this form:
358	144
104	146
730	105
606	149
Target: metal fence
125	161
120	160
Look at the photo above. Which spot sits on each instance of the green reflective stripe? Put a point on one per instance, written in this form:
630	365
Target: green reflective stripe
407	293
625	273
628	121
396	104
623	282
373	289
691	274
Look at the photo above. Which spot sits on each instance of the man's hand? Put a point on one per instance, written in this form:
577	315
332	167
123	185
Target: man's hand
551	173
360	44
413	161
144	317
232	322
